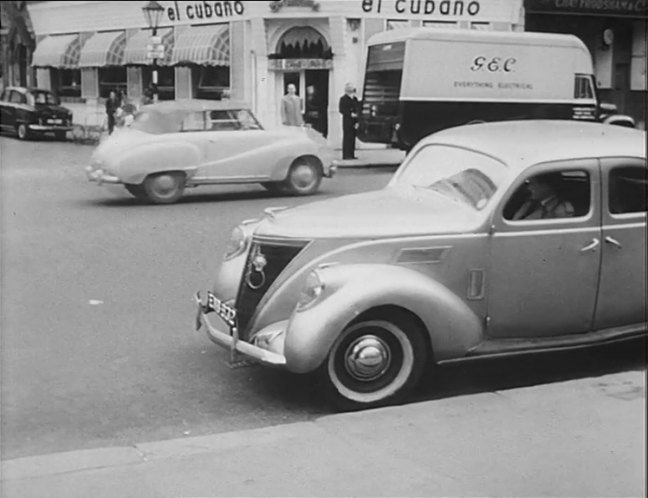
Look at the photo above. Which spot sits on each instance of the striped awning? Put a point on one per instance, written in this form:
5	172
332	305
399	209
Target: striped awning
135	51
205	45
103	49
58	51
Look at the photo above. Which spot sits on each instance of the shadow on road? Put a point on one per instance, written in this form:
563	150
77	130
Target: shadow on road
203	197
300	392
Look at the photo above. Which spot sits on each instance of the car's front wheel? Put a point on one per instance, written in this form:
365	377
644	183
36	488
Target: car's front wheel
164	188
22	131
304	177
374	362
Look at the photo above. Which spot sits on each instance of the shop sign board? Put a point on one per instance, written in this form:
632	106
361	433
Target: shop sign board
621	8
299	64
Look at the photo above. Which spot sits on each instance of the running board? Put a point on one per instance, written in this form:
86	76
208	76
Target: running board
506	347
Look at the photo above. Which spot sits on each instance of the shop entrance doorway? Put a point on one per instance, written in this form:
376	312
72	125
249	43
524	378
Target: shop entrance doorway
312	88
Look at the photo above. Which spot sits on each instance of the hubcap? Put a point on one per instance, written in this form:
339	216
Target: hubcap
303	176
165	184
367	358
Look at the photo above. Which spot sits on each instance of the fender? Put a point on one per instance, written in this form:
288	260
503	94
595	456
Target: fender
156	158
350	290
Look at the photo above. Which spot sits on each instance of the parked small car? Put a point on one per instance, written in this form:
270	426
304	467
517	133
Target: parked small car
28	112
171	146
491	239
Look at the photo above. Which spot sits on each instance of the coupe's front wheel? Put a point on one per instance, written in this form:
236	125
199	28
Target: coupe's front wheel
164	188
304	177
374	362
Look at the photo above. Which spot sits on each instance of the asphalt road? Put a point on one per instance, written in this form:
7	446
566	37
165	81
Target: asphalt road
98	347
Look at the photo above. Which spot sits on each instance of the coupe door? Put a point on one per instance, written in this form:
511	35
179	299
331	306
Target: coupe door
622	291
235	154
544	272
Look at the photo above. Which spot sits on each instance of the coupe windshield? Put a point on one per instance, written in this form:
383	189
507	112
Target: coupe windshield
462	175
158	123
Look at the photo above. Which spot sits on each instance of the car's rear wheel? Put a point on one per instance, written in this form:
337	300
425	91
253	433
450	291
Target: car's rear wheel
304	177
164	188
136	191
374	362
22	131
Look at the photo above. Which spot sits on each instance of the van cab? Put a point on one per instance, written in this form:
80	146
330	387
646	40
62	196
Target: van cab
422	80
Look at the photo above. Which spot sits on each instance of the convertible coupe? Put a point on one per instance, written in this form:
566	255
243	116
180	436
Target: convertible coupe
171	146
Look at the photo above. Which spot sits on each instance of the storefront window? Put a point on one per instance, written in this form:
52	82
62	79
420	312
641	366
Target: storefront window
166	81
211	81
111	78
66	82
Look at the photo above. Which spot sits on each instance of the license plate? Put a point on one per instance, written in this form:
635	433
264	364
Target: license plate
225	311
55	121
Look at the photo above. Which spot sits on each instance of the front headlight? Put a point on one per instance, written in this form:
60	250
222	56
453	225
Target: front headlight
237	244
312	290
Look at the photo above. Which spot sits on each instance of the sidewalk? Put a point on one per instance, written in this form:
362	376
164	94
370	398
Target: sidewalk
372	156
577	438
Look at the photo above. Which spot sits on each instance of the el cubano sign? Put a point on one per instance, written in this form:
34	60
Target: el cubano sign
208	12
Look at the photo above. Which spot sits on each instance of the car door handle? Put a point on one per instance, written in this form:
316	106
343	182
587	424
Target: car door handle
591	246
614	242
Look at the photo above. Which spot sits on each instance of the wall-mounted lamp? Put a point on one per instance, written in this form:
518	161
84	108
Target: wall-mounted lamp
608	37
354	24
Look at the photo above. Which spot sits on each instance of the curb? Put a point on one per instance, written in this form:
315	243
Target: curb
624	387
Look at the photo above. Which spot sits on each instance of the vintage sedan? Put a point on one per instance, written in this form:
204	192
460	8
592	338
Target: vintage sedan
171	146
490	239
29	112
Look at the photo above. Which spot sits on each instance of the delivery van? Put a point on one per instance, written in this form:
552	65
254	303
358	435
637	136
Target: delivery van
421	80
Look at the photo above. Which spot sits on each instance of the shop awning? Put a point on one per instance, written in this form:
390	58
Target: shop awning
57	51
205	45
135	51
103	49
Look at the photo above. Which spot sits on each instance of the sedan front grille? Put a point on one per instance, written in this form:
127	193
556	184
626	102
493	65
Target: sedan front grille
265	262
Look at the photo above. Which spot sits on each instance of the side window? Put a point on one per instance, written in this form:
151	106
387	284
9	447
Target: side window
4	95
194	121
628	190
17	97
223	121
564	194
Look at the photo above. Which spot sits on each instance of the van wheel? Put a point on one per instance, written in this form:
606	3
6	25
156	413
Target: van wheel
304	177
22	131
164	188
374	362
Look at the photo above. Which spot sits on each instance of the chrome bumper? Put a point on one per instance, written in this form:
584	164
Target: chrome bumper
42	128
231	341
331	170
99	176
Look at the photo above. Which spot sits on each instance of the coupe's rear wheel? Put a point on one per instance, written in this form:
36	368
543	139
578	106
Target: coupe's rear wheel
304	177
374	362
22	131
164	188
136	191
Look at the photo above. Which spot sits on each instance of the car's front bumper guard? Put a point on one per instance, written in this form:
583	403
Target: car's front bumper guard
100	176
45	128
232	342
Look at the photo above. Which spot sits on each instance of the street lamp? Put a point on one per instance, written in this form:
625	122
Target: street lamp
153	13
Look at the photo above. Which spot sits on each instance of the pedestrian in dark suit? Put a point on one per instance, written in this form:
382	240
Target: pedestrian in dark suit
349	108
112	104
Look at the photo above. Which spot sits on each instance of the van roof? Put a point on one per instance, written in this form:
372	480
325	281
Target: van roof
520	144
509	37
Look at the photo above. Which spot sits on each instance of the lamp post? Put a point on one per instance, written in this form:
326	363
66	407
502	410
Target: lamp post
153	13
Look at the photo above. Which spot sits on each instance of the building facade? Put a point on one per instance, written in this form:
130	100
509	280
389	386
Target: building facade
245	50
615	33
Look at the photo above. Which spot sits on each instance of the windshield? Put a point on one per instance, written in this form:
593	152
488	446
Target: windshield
41	97
461	175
